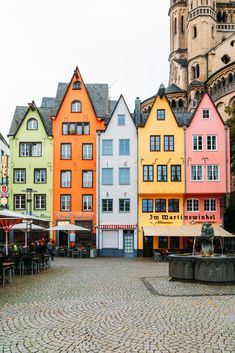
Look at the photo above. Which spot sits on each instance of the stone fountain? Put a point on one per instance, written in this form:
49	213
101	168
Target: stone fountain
206	267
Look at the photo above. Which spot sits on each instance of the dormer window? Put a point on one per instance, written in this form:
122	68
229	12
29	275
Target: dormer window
77	85
32	124
76	107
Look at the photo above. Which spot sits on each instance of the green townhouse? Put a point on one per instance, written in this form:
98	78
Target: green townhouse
31	149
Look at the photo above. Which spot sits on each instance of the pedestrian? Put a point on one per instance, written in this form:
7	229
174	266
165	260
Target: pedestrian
50	247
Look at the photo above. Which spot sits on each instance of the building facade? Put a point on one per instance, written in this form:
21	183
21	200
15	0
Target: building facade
161	176
208	166
79	116
4	174
31	169
202	55
117	185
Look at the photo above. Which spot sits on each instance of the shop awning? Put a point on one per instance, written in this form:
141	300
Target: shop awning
182	231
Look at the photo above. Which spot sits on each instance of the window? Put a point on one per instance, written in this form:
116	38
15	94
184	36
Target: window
65	151
30	149
121	120
32	124
173	205
65	179
107	147
176	173
76	107
107	176
19	202
39	202
77	85
124	176
194	32
155	143
211	143
168	143
87	151
196	172
147	205
76	128
160	205
40	176
206	113
87	203
19	176
107	205
197	143
65	203
124	147
212	173
162	173
148	172
182	24
87	178
161	114
210	205
193	205
124	205
175	25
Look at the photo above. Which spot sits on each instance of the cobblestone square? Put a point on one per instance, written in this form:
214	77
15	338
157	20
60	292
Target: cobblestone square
102	305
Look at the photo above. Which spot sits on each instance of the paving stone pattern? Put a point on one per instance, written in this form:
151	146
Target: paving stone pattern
101	305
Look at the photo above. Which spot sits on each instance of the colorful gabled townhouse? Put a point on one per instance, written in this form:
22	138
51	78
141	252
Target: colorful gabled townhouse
161	177
80	115
117	184
207	166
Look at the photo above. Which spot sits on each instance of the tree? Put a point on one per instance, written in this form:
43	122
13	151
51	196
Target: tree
231	123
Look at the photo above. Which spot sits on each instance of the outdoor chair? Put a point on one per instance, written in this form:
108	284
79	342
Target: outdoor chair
31	265
157	256
5	274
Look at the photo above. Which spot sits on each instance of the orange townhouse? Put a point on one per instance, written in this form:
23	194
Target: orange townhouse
81	113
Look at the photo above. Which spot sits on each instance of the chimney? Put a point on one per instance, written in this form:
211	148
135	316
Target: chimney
137	112
161	91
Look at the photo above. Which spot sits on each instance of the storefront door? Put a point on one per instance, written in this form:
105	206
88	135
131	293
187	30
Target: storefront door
128	243
148	246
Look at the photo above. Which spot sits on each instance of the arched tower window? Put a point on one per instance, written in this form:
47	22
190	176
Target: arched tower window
181	103
195	32
193	73
197	71
32	124
175	25
76	107
182	24
77	85
173	103
213	32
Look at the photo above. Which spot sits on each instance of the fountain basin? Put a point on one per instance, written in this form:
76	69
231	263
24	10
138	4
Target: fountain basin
219	269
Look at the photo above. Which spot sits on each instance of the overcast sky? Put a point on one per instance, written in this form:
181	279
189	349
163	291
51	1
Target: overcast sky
123	43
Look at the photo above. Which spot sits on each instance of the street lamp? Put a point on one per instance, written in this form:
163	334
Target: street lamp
28	223
29	192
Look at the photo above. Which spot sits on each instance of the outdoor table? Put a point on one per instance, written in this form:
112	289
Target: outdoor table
11	267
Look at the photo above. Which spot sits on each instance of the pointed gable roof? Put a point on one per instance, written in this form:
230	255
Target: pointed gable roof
161	94
22	111
114	109
212	104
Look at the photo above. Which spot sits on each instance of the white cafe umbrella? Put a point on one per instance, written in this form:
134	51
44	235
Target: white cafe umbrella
68	227
24	228
10	214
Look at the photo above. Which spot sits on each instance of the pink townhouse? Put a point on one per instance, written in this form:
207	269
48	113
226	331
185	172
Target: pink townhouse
207	161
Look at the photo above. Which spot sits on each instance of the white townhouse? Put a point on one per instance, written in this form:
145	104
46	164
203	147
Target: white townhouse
117	193
4	171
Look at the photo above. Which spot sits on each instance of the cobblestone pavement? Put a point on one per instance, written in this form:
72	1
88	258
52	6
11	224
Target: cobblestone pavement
101	305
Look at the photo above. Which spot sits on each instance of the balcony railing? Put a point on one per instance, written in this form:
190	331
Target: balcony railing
223	91
229	27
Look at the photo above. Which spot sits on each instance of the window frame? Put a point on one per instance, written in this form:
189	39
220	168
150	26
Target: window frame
148	166
193	205
76	101
34	175
216	143
87	195
176	166
129	147
148	201
14	176
174	200
31	144
119	179
82	125
102	205
70	198
197	138
102	180
162	201
161	166
210	204
32	120
104	148
78	86
213	167
155	137
206	110
168	138
34	202
87	144
196	165
92	181
70	179
124	204
158	114
20	195
118	121
61	148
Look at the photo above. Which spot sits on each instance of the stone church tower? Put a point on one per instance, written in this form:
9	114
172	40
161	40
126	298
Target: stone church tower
202	54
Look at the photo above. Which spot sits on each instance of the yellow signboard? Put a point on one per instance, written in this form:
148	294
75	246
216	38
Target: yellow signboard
4	166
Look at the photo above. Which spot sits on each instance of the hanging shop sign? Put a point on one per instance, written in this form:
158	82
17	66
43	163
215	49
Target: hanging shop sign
4	166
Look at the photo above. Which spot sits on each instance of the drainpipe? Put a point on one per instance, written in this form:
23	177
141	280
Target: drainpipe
226	165
137	190
98	189
185	184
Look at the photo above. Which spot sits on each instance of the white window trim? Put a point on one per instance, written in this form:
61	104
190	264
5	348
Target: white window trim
213	181
197	143
193	211
209	114
196	181
210	205
216	144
